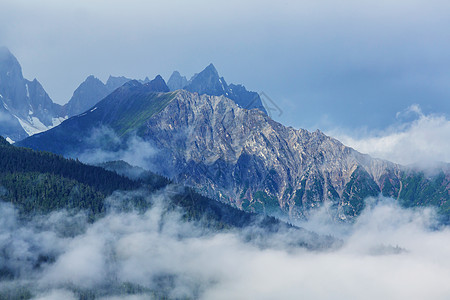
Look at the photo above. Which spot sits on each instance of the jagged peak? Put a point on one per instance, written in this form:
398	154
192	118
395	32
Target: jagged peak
92	78
157	84
176	81
176	76
158	78
207	82
210	69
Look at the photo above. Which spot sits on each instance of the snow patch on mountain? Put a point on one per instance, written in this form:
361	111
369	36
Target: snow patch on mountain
33	125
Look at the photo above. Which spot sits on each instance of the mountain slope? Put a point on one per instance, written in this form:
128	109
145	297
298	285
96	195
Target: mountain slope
25	107
242	156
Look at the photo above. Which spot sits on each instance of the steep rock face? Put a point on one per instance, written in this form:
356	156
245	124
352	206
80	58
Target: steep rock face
12	85
244	157
43	107
25	106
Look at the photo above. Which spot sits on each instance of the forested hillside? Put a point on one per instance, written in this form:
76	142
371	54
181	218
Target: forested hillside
41	182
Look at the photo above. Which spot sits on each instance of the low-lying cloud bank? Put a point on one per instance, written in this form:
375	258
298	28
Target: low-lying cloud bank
417	139
389	253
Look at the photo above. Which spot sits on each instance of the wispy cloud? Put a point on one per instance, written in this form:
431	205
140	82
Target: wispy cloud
104	145
416	139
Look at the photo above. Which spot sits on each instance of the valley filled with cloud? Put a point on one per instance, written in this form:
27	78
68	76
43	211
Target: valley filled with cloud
388	253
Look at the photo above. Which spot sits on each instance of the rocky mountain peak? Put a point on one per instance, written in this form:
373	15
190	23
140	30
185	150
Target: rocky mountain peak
211	69
92	78
90	91
12	87
176	81
157	85
26	105
208	82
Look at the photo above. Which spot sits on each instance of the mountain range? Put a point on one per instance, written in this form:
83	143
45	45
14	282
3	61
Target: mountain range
215	137
27	109
240	156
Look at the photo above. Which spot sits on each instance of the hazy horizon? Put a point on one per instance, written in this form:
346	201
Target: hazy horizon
321	62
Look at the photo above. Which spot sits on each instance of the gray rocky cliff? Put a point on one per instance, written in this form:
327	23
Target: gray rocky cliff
245	158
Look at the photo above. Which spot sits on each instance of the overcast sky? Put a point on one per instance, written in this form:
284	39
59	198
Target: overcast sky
325	63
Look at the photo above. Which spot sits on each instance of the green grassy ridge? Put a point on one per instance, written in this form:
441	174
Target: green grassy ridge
125	111
140	109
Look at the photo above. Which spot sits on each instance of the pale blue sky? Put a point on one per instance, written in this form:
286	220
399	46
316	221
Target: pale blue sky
326	63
